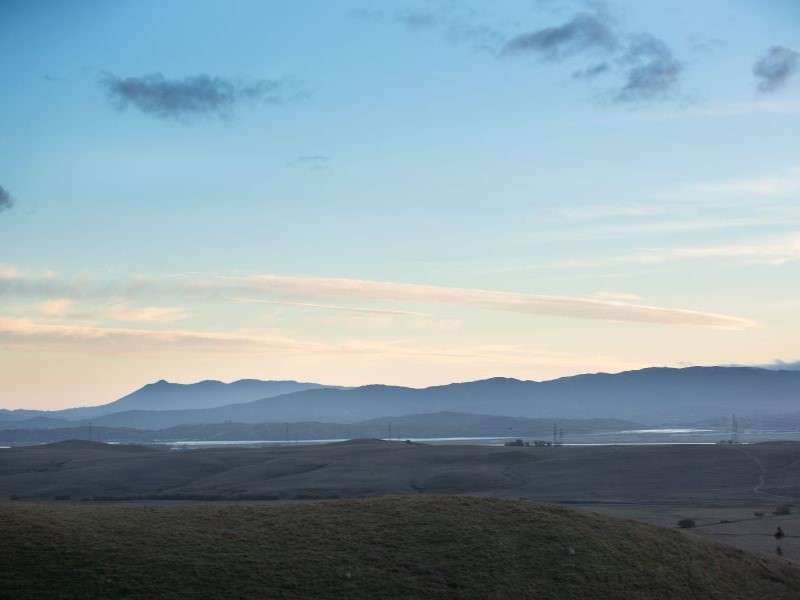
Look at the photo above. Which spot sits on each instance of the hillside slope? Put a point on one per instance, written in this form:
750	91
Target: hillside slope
400	547
662	474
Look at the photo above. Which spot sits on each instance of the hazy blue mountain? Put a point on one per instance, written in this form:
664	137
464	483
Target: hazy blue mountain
37	422
163	395
19	414
657	395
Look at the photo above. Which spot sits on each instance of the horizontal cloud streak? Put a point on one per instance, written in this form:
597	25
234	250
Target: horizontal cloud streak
532	304
27	334
349	309
305	288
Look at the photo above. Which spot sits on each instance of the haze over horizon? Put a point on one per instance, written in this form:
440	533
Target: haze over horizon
416	194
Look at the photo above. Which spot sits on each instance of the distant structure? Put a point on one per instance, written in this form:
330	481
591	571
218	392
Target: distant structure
558	435
734	439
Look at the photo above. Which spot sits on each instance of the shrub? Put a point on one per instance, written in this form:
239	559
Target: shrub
783	509
686	523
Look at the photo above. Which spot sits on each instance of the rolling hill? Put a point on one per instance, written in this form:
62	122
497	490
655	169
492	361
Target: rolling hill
396	547
660	474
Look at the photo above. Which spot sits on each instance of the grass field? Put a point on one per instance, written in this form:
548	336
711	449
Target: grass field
697	475
394	547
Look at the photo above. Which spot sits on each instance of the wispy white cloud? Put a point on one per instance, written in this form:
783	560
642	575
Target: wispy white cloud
621	296
28	332
57	307
333	307
313	289
8	271
774	251
638	228
35	336
146	314
533	304
771	186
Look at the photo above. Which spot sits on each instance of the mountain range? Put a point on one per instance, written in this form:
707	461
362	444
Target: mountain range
655	396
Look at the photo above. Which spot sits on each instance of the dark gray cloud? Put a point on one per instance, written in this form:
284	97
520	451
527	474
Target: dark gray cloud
6	201
592	71
581	33
652	73
776	68
196	96
646	64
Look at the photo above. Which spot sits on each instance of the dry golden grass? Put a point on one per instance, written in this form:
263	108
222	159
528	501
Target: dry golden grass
395	547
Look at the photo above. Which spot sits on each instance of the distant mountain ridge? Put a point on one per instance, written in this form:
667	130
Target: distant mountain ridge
163	395
654	395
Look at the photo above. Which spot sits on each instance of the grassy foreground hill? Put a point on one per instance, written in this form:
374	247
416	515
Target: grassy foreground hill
394	547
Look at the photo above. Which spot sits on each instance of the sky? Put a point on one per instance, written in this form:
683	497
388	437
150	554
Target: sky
405	192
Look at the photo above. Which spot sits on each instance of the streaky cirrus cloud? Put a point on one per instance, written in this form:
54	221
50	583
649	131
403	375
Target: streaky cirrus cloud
581	33
23	331
783	184
6	201
195	96
774	70
776	250
336	308
532	304
28	334
303	288
145	314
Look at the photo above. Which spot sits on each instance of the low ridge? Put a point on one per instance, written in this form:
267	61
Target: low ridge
397	547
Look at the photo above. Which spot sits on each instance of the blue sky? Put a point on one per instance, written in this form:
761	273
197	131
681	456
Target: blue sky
404	192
